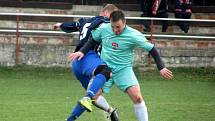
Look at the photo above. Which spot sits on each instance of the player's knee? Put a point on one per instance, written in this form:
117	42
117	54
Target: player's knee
138	99
104	70
97	95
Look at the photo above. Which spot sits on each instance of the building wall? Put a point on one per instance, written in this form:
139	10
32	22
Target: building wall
52	50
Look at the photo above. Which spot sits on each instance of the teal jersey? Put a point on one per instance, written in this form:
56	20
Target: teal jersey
118	50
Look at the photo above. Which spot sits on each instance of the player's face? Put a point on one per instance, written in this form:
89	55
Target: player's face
105	13
118	26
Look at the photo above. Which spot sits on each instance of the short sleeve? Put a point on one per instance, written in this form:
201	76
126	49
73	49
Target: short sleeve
142	42
97	33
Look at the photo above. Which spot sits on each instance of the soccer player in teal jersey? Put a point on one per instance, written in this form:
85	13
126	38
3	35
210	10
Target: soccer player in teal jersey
118	43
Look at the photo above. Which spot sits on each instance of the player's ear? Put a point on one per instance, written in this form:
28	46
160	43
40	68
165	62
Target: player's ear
105	13
124	22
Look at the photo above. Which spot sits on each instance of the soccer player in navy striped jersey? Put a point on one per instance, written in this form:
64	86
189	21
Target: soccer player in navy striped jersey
91	71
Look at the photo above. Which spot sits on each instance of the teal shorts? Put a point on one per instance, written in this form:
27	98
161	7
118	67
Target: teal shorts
122	79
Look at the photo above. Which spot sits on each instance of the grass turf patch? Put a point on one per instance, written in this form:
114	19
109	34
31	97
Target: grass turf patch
48	94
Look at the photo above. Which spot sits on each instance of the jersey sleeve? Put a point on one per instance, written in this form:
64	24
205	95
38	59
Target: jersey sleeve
70	27
97	33
142	42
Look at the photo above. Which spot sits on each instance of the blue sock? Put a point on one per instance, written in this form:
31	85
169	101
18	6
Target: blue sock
77	111
96	84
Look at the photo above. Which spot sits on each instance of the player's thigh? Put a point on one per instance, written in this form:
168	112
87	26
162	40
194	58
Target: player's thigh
84	80
127	81
76	69
89	63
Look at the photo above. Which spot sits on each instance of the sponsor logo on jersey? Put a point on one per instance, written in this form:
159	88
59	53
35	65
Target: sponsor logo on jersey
115	45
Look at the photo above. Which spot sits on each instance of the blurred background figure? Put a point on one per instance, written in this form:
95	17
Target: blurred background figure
183	11
154	8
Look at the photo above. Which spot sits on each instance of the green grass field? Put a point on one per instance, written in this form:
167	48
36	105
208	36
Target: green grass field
48	94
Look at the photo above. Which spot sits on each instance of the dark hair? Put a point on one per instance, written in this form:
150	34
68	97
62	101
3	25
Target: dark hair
117	15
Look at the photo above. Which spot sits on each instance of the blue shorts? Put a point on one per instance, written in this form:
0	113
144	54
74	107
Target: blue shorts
83	69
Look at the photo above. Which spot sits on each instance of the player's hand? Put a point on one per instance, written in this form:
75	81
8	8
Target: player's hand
77	55
56	26
166	73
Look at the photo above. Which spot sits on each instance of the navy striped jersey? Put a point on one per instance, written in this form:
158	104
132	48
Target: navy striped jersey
84	26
